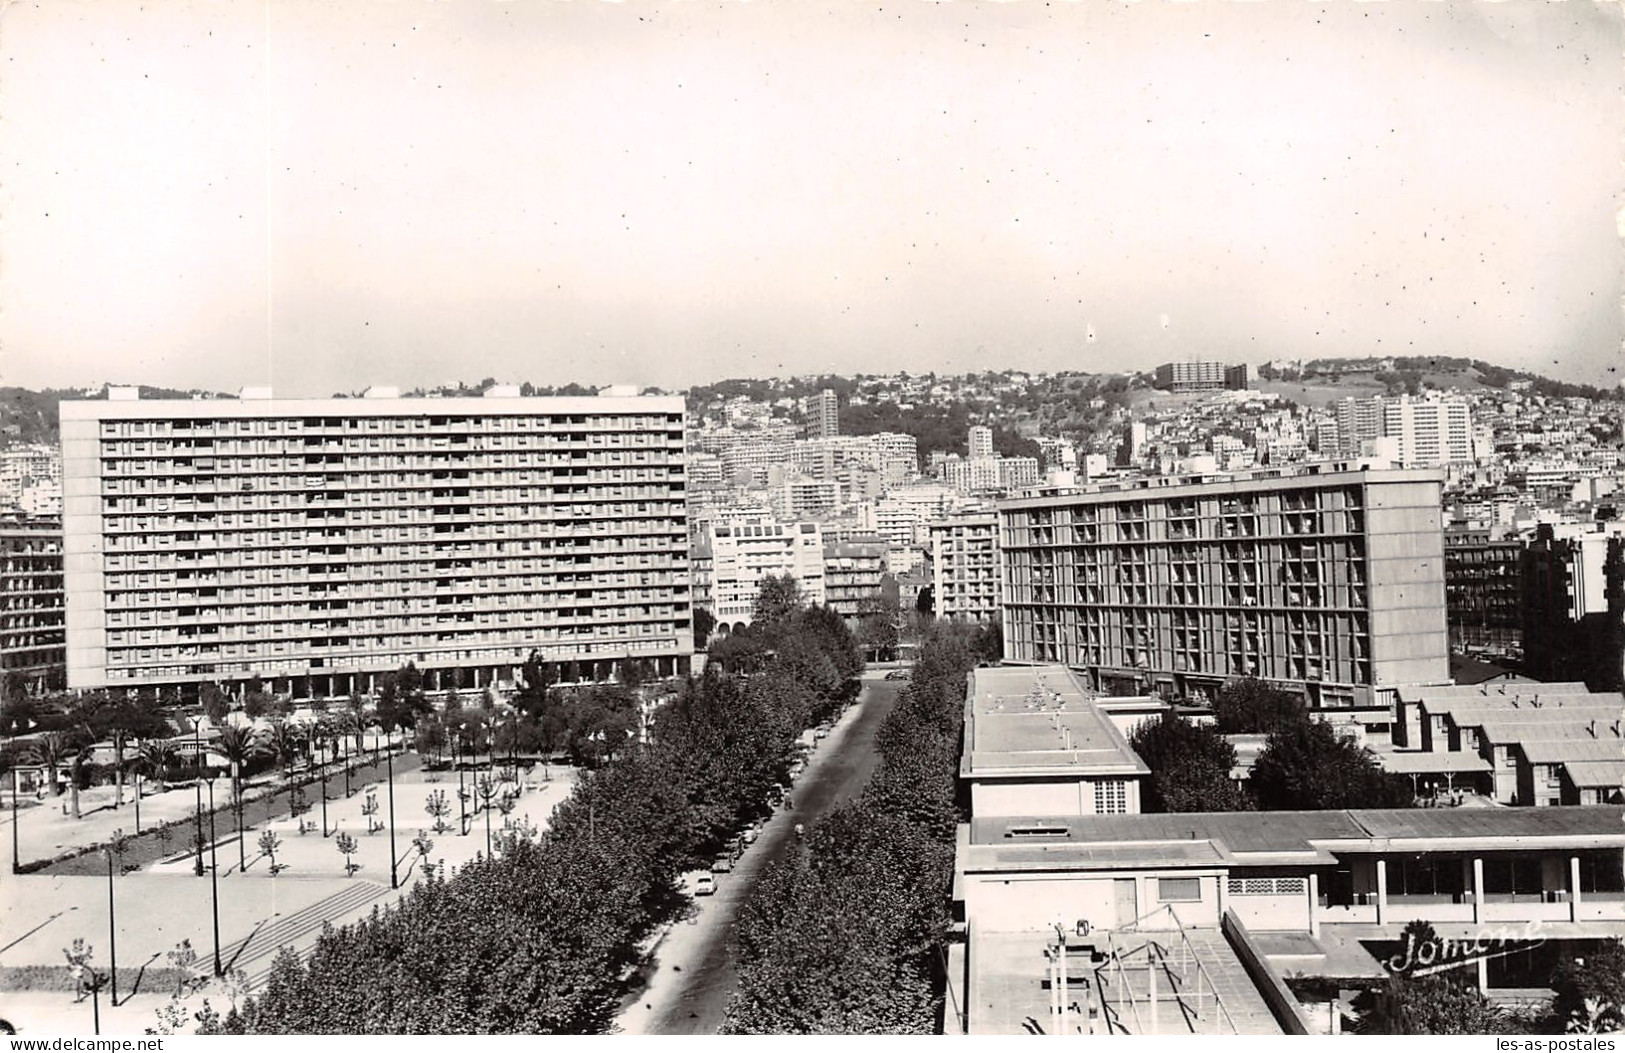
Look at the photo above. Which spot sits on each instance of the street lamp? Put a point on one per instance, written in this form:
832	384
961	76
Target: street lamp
322	765
389	753
113	848
197	759
214	877
16	850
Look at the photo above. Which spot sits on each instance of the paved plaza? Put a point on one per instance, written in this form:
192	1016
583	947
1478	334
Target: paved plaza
159	906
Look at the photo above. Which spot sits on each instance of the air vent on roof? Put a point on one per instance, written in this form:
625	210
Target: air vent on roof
1036	831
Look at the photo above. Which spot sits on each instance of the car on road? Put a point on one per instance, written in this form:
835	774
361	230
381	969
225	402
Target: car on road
722	864
705	885
752	832
897	674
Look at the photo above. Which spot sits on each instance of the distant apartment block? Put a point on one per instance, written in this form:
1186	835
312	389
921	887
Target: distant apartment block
1202	376
799	497
1483	600
826	416
854	576
742	555
1017	473
979	441
1573	602
965	568
1428	431
32	640
320	542
31	480
1328	580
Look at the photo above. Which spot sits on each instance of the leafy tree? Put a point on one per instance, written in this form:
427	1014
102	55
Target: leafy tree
401	701
438	808
704	624
1590	991
1251	706
157	759
1428	1005
1190	767
779	598
1309	766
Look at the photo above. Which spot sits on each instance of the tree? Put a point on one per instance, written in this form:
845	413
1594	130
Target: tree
53	750
439	808
238	745
704	623
157	758
1428	1005
269	843
1309	766
1590	991
779	597
1190	767
347	846
1251	706
925	602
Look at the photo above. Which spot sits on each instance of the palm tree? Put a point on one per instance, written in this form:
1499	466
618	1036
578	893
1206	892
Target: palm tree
157	757
51	750
282	742
238	745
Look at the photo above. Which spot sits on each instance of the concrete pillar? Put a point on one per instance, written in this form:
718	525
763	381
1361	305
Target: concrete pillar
1483	975
1574	888
1478	890
1382	889
1314	903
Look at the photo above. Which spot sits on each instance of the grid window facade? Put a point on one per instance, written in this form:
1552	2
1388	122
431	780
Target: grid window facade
1333	583
217	540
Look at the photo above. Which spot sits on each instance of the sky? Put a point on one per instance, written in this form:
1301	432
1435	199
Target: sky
323	196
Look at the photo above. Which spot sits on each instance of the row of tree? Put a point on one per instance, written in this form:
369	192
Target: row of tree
1305	764
536	938
848	935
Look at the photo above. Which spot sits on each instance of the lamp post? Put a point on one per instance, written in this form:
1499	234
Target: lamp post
389	754
112	927
214	880
323	767
197	760
462	791
16	850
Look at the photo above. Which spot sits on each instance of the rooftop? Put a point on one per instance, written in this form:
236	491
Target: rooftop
1257	838
1039	720
1590	774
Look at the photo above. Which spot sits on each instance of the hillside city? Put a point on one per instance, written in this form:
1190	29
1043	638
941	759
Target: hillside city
1214	698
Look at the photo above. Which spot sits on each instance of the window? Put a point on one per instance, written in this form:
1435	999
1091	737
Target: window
1111	797
1179	890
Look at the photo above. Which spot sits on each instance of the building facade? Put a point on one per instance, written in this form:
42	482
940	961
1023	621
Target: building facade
32	640
826	416
1573	594
854	576
1483	601
318	543
1202	376
742	555
1328	580
965	568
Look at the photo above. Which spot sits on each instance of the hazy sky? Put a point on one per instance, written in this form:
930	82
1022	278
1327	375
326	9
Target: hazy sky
325	195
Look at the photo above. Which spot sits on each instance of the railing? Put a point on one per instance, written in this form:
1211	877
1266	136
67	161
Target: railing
1176	967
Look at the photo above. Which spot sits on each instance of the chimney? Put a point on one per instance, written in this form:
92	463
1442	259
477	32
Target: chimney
1592	727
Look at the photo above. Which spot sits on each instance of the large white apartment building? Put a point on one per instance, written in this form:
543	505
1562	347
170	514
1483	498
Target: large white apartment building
319	542
741	555
965	568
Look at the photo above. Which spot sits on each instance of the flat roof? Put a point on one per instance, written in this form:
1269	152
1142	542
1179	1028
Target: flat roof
475	406
1257	481
1421	762
1028	721
1109	842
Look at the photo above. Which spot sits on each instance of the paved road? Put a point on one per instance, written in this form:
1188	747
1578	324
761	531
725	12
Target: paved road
694	974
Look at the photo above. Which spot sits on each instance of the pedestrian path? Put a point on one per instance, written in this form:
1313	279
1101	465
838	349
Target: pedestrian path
256	953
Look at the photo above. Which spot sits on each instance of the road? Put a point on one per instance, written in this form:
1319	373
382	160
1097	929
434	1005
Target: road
694	973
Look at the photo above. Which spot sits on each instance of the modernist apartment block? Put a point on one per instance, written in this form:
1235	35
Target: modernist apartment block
742	554
31	602
1328	580
318	543
965	568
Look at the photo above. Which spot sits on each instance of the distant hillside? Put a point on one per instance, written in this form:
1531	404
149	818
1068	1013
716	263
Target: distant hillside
31	416
1413	374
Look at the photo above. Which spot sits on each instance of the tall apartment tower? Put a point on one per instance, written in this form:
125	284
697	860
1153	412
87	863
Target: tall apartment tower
980	441
1430	431
31	618
1328	580
1358	422
318	543
826	423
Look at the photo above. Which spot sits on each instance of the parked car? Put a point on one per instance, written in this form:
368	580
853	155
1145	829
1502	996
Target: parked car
897	674
821	733
752	832
705	885
722	864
